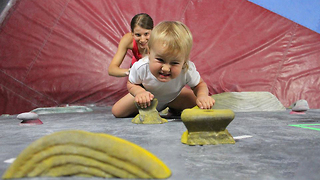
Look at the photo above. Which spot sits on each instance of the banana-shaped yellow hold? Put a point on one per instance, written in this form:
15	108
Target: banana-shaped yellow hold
81	153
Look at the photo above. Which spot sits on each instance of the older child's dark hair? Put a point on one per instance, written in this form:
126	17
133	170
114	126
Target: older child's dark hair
143	20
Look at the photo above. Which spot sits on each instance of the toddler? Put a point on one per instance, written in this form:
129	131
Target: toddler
163	74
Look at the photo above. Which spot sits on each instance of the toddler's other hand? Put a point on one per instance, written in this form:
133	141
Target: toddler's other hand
144	99
205	102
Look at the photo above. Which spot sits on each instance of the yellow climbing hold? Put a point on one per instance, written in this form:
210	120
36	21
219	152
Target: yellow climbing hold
207	126
81	153
149	115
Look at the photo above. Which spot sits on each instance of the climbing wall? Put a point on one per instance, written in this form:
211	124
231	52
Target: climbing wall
57	52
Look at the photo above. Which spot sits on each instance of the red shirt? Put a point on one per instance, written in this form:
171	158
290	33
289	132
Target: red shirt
136	54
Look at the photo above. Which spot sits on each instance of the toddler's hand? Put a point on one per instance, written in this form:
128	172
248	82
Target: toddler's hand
144	99
205	102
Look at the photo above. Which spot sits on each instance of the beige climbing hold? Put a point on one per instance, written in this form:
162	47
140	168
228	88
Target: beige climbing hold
207	126
247	101
149	115
81	153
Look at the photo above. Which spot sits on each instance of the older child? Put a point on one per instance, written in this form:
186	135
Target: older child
136	40
164	73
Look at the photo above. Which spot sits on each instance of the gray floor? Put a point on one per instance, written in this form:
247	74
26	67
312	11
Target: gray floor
275	150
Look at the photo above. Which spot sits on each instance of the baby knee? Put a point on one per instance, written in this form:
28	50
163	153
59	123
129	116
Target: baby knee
115	112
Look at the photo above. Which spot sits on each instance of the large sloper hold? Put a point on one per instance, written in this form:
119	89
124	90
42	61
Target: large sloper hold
81	153
207	126
149	115
247	101
60	110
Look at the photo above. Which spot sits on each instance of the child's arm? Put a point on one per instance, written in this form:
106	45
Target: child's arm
204	101
142	97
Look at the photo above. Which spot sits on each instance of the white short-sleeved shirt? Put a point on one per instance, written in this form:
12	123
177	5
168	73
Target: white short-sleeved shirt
165	92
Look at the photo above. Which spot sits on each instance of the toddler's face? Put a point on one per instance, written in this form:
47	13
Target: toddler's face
164	66
141	36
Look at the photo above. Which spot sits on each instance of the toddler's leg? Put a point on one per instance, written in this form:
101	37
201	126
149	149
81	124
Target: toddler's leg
186	99
125	107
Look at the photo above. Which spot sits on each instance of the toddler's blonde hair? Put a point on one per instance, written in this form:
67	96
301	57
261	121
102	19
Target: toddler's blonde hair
174	36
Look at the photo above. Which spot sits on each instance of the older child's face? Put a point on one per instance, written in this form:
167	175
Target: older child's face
164	66
141	36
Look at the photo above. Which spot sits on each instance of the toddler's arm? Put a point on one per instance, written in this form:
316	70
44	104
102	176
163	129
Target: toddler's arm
204	101
142	97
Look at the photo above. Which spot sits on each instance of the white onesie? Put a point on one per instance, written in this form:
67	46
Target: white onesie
165	92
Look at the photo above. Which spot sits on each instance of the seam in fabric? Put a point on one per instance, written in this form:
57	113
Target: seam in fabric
46	40
285	53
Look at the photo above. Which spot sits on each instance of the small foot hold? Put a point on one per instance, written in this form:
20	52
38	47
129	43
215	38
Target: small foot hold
299	106
149	115
29	118
207	126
